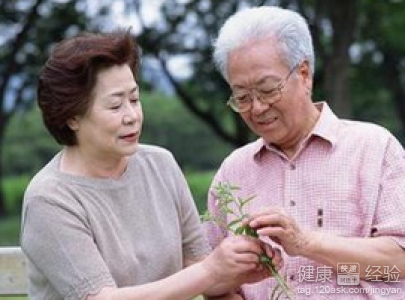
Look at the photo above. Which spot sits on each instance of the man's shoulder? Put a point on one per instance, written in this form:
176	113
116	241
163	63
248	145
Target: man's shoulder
364	130
246	152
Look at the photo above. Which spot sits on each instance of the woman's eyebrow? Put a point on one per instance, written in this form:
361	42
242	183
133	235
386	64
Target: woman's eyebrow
122	93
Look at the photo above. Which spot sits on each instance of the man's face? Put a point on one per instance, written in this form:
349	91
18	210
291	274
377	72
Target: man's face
255	70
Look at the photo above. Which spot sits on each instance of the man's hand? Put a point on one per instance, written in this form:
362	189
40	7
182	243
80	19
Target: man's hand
226	297
281	228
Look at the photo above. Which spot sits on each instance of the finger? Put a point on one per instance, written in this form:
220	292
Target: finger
273	220
247	244
277	258
274	233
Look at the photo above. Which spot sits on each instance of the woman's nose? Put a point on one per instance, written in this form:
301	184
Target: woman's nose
131	113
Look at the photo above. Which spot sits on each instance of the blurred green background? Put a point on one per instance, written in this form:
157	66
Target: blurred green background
360	72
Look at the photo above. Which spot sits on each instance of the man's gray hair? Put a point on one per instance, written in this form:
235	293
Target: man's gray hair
288	27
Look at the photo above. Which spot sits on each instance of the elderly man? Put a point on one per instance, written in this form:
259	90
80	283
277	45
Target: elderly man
329	192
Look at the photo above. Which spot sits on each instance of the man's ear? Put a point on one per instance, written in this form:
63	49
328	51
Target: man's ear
73	123
305	69
306	73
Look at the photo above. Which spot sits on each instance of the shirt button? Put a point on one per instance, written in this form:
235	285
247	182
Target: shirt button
292	277
292	167
292	203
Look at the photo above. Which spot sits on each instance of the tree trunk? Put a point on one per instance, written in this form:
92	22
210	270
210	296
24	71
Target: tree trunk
343	17
3	211
392	78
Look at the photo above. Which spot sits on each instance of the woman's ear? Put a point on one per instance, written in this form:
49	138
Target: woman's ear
73	123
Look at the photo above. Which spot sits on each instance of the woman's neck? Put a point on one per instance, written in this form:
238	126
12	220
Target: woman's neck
77	162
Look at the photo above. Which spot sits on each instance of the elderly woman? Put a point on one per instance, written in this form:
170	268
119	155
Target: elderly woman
108	218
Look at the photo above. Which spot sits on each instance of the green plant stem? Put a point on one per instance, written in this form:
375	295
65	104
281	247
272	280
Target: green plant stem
268	263
280	280
227	203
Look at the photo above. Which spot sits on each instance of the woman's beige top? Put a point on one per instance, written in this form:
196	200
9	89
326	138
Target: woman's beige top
81	234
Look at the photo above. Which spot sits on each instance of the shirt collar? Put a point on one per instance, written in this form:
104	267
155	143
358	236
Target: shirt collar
327	125
326	128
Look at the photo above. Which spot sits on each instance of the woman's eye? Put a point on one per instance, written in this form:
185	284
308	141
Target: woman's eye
134	100
115	106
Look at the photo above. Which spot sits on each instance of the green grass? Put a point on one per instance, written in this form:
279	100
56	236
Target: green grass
199	183
9	231
14	188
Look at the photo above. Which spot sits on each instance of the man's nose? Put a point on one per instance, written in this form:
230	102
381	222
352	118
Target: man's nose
258	106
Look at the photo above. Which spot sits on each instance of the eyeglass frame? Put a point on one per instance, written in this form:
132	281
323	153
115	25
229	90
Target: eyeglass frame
231	102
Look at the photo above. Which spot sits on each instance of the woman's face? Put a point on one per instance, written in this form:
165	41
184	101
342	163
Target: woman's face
112	126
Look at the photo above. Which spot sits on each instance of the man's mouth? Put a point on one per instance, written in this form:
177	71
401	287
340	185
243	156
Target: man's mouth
267	121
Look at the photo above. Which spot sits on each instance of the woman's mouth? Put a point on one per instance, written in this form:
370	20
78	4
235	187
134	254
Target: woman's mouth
131	137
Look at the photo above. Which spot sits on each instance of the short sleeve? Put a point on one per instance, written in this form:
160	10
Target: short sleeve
389	220
194	242
58	242
215	234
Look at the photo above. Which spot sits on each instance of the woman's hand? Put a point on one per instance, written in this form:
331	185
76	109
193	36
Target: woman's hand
236	261
234	256
262	272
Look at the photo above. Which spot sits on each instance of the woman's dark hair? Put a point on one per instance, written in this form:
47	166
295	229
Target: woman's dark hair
67	80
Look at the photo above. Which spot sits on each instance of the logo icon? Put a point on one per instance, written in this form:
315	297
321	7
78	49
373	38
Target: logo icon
348	273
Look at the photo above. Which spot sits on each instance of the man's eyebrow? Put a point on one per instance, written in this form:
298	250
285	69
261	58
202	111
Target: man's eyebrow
266	79
269	78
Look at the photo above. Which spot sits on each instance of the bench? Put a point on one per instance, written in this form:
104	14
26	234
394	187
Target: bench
13	272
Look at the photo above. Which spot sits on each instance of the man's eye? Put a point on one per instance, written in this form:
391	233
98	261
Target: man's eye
242	99
269	92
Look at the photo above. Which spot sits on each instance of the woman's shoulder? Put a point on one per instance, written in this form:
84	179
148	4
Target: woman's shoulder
152	151
151	159
46	178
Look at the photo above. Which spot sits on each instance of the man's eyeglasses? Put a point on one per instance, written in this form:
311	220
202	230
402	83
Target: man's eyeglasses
271	95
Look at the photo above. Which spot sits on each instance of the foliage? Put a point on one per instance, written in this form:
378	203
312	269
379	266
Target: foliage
10	231
14	188
358	43
199	183
205	92
29	29
234	207
27	144
167	123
